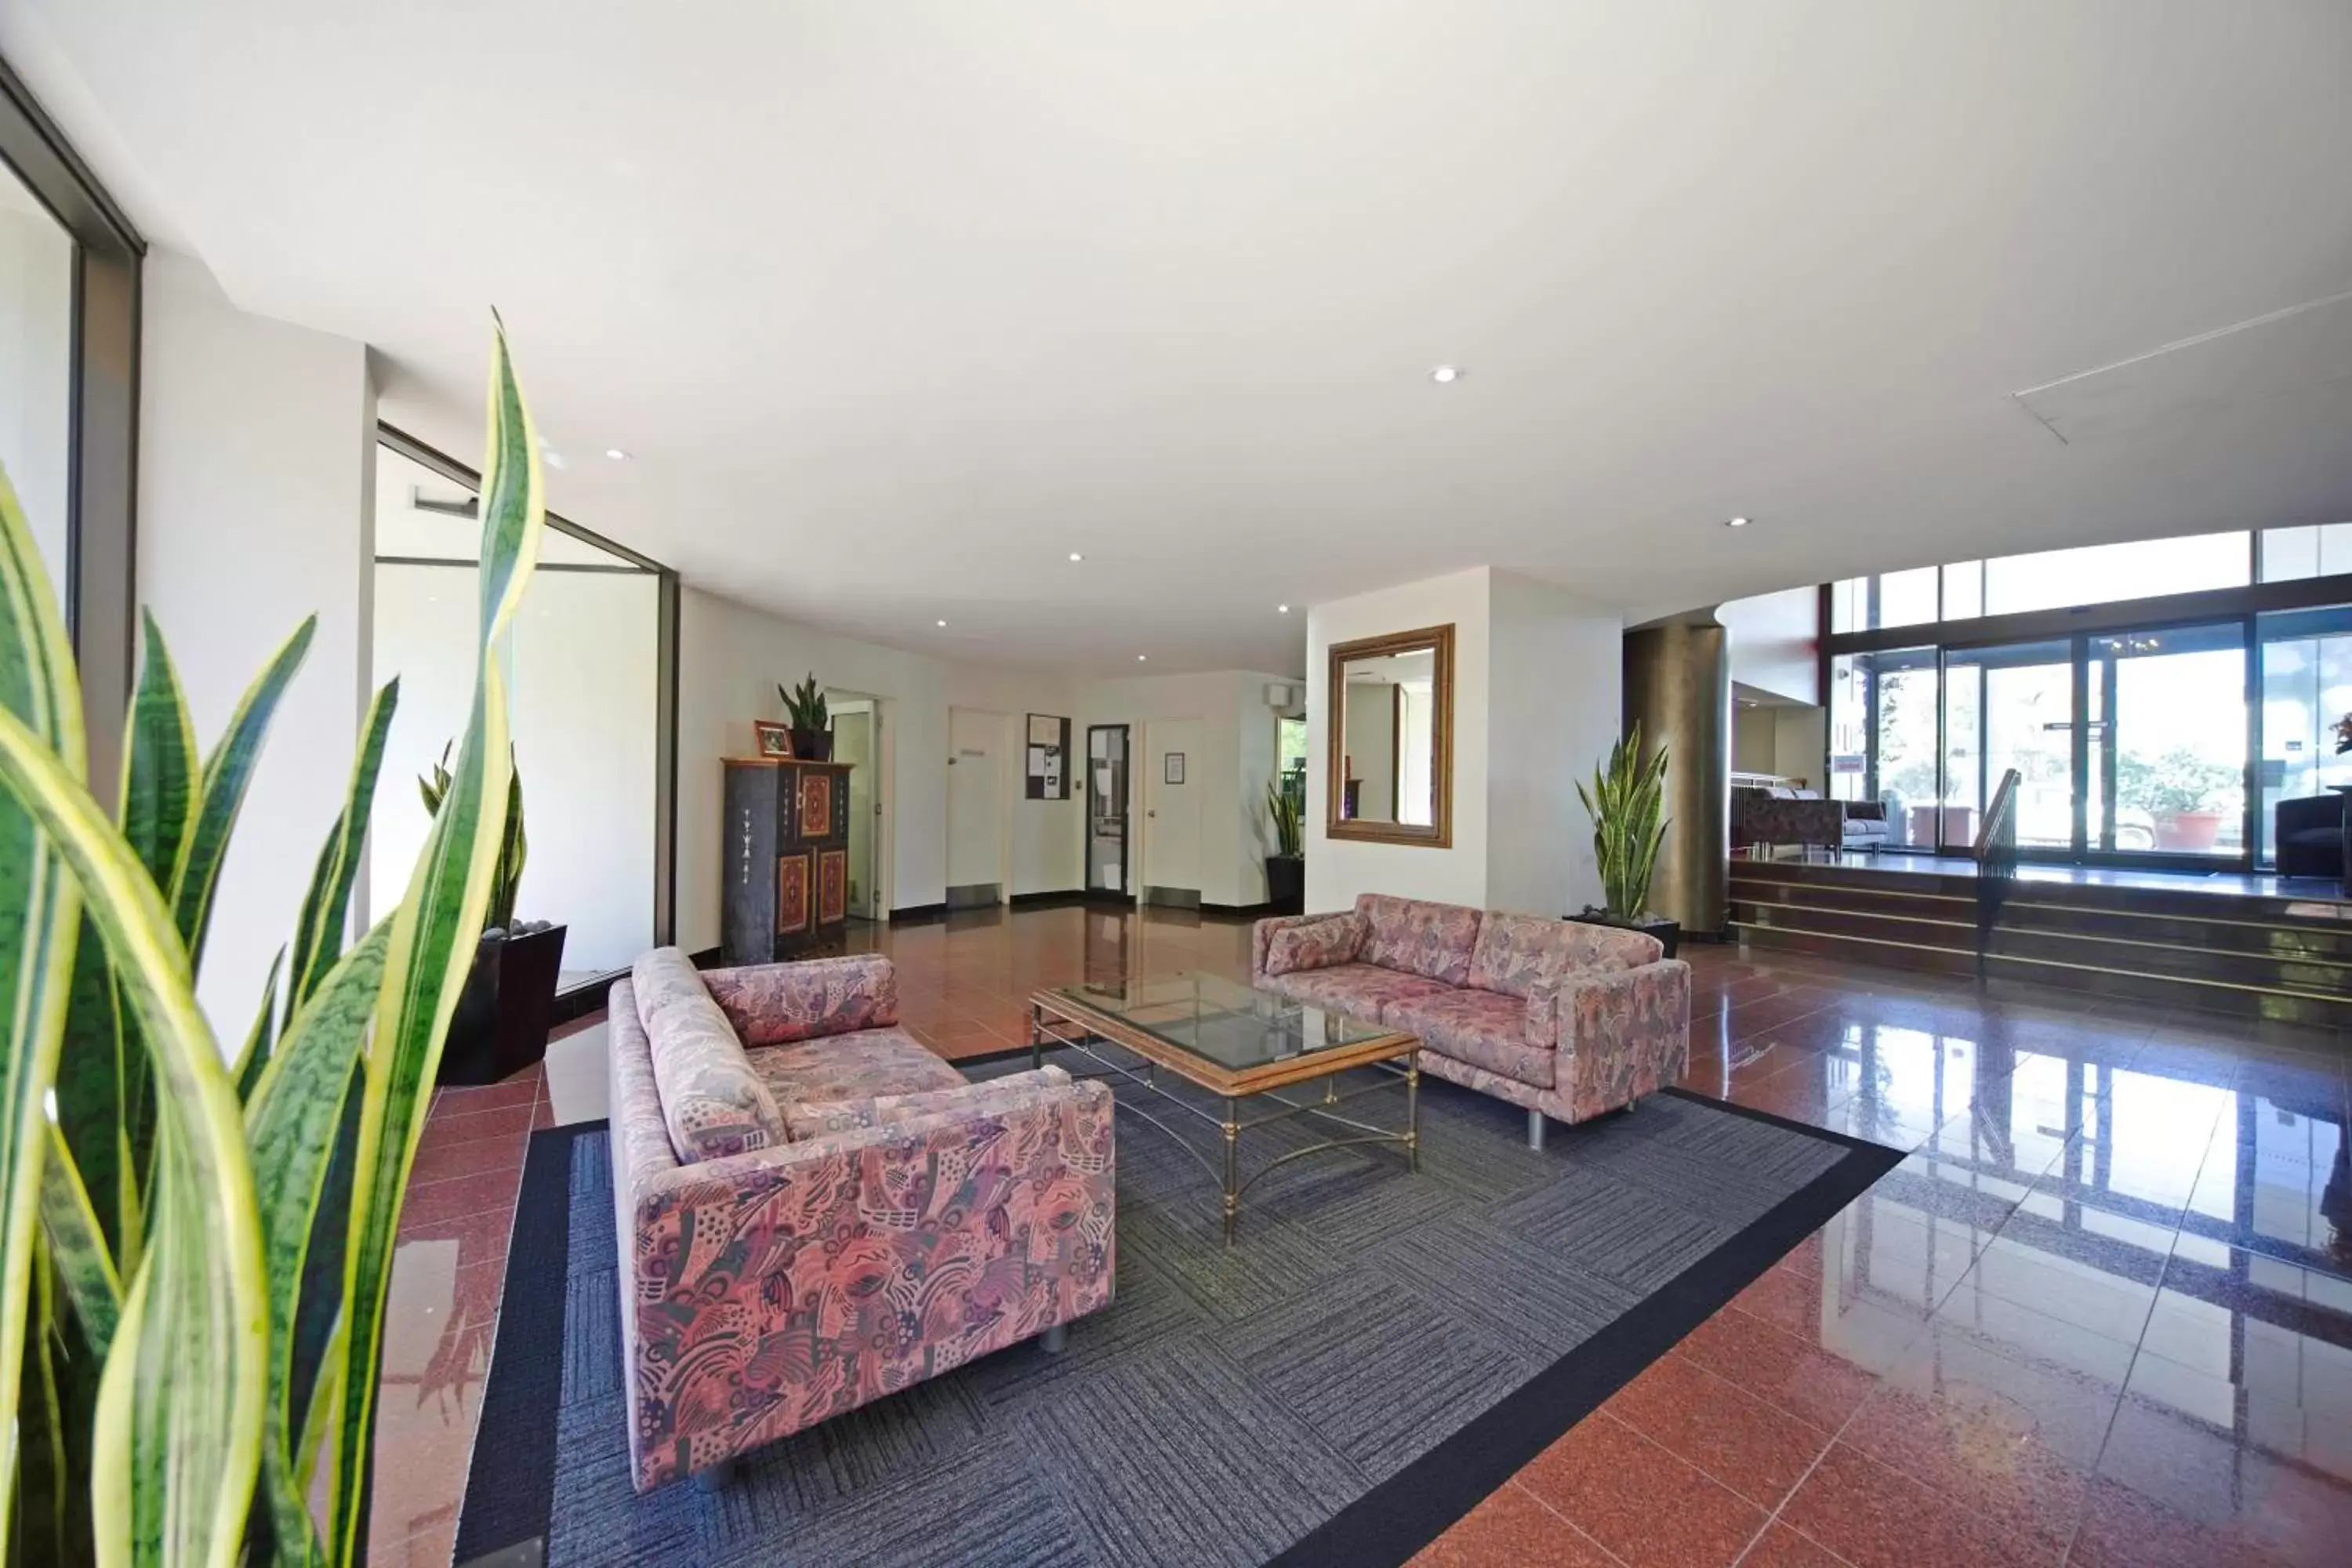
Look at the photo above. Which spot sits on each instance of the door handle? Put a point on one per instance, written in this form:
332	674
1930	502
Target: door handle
1153	815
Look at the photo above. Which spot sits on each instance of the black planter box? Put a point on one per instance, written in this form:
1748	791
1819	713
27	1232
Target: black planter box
1668	932
1285	883
501	1022
813	745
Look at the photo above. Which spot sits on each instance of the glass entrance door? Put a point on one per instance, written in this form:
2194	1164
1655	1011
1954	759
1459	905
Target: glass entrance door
2170	768
2012	706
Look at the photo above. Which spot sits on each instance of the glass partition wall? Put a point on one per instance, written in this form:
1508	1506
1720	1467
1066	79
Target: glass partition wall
2157	701
588	668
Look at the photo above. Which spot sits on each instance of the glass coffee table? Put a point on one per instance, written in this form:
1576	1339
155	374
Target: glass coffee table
1239	1045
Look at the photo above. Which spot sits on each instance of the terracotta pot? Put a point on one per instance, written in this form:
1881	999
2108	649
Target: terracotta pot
2194	831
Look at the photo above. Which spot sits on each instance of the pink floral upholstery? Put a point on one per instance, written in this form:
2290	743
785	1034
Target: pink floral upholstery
812	1118
763	1293
776	1004
1363	992
1484	1029
1315	945
862	1066
1519	954
1562	1017
1623	1035
1416	937
712	1102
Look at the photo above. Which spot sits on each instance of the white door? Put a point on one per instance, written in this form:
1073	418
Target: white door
1171	806
975	807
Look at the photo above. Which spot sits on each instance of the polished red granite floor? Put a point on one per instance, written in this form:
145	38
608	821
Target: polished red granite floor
2101	1315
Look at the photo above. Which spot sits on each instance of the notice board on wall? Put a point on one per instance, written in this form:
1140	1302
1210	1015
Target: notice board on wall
1047	764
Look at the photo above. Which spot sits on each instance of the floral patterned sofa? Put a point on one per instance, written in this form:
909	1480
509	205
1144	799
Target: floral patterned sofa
832	1213
1566	1019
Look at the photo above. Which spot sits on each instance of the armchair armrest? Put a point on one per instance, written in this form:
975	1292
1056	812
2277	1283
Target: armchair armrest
1262	936
773	1289
777	1003
1620	1033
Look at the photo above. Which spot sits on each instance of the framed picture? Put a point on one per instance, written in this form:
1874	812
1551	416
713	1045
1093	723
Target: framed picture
774	740
1172	768
1045	730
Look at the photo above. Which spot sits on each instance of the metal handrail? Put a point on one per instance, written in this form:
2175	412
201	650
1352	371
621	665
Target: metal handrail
1996	857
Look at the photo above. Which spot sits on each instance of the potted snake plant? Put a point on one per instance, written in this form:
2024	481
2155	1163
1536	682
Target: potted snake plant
805	717
1627	802
1285	869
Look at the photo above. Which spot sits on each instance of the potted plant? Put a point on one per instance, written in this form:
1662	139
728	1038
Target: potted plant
805	717
196	1243
1285	869
2187	797
1626	803
501	1025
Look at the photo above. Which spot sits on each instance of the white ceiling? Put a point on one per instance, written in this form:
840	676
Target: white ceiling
899	304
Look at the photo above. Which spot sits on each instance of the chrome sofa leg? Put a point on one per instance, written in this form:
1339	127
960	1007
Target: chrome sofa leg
1536	1130
715	1477
1055	1339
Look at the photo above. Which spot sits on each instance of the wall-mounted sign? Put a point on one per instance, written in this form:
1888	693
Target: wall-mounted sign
1172	768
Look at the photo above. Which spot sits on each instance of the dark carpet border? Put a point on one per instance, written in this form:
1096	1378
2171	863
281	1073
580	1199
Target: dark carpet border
1412	1508
510	1475
1387	1525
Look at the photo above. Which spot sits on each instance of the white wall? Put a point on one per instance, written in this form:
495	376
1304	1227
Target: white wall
1237	763
1537	699
1338	869
1755	740
730	657
1555	704
1776	643
36	372
256	447
1800	744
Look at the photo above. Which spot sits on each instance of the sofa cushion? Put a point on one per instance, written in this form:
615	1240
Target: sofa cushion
1416	937
777	1003
712	1102
1485	1028
812	1119
859	1066
1517	954
1363	992
1316	944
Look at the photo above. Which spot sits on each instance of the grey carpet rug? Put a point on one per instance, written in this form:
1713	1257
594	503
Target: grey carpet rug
1376	1351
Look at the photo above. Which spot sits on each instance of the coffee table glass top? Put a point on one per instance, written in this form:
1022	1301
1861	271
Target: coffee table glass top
1226	1022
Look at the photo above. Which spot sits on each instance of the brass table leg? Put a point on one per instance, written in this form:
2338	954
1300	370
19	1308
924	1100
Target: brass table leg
1232	1168
1413	1113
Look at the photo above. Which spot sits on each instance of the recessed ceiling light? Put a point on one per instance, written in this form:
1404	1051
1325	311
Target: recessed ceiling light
1446	374
1076	556
943	623
617	454
1734	522
1282	609
1140	658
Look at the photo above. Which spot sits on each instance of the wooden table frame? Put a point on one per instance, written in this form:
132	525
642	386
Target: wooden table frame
1060	1020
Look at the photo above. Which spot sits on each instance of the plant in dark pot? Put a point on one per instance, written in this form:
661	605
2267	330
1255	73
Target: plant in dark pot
501	1025
1285	869
805	717
1627	802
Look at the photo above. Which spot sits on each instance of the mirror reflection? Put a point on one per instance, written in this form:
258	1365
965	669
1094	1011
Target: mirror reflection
1389	734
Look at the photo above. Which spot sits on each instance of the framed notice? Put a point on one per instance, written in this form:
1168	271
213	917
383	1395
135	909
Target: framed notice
1172	768
1045	768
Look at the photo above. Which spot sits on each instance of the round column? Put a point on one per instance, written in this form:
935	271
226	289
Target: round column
1678	688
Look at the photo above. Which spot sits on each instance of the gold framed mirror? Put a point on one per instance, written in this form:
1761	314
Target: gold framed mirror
1389	772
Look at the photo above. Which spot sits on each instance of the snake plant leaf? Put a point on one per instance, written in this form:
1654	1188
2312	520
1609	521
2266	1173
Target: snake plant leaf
173	1475
40	919
162	777
77	1247
227	772
433	941
259	1040
291	1122
318	937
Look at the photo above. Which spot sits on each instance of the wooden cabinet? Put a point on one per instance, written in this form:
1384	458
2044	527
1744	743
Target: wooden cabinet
785	859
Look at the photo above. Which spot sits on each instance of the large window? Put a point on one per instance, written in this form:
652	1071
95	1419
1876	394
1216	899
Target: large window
70	395
584	686
2087	575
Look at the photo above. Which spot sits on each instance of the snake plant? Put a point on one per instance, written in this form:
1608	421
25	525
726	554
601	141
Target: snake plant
514	844
197	1244
1625	801
1285	808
